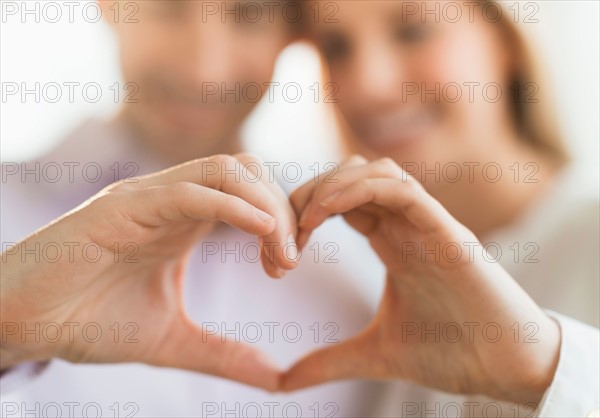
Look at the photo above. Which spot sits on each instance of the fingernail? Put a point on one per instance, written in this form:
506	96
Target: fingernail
279	272
331	198
291	250
263	216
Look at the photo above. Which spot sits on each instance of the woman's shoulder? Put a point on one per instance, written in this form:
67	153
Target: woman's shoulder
576	193
572	198
565	217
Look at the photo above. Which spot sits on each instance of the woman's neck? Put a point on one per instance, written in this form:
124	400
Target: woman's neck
485	204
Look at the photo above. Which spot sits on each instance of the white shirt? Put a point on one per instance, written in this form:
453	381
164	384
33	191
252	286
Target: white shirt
340	297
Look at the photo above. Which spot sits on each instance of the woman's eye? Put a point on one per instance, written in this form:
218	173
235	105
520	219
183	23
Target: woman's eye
412	33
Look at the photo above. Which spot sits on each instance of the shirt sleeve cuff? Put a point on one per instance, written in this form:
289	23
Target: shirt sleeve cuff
575	389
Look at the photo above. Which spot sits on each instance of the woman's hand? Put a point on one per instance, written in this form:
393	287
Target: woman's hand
121	272
449	318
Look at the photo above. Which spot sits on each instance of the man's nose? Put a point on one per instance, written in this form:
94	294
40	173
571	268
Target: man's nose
209	52
379	72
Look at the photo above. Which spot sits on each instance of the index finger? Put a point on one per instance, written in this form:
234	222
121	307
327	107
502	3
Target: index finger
302	196
235	176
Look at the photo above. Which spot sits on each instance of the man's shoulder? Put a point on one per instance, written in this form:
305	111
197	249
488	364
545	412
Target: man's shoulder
36	191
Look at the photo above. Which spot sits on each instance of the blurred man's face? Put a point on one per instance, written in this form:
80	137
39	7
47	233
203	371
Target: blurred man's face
198	66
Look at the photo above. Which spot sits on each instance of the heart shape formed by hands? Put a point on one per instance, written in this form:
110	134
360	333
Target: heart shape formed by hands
433	284
166	213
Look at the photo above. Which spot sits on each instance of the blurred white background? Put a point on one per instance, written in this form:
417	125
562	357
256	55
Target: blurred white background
85	52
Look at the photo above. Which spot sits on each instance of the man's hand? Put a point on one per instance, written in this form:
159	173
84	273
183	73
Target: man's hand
138	234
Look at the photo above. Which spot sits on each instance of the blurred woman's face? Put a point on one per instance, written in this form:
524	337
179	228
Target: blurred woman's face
416	84
196	65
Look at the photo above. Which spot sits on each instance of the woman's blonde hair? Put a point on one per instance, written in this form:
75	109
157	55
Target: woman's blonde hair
533	103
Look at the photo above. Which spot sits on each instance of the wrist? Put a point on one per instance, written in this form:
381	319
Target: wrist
23	339
536	378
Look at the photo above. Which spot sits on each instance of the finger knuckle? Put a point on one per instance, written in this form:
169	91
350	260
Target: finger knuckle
356	159
105	200
364	183
246	157
387	163
412	183
226	203
411	195
223	161
181	188
228	160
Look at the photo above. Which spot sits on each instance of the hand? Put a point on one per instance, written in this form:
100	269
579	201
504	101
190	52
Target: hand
449	288
143	230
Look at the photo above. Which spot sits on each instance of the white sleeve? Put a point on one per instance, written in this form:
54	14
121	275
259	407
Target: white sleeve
575	389
19	375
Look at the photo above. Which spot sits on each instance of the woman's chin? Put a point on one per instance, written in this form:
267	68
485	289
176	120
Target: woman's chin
399	147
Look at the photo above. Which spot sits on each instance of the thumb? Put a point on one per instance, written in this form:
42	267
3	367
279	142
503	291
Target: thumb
202	351
353	358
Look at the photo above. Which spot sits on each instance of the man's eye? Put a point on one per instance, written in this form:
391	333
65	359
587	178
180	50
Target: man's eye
412	33
254	15
166	8
335	49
